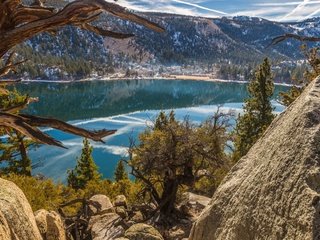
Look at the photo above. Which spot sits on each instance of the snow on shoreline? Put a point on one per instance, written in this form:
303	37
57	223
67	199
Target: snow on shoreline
187	78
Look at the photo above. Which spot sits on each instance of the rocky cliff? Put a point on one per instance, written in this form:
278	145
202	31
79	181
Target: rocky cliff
17	221
272	192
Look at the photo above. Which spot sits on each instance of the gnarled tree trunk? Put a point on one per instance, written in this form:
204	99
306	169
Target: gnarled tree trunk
19	22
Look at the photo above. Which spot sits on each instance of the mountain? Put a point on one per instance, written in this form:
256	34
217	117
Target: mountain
224	47
238	39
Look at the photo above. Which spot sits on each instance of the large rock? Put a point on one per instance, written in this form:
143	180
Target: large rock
56	228
106	226
100	203
192	204
17	212
41	220
272	192
143	231
5	233
50	224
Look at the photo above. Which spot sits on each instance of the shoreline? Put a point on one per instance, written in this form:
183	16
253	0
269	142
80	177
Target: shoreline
171	77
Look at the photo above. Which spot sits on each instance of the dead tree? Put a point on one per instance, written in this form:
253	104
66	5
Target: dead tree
19	22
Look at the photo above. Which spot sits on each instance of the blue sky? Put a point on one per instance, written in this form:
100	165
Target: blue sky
278	10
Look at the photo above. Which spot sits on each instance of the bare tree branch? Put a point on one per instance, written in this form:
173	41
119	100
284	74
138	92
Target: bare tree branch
27	125
74	13
65	127
281	38
19	124
16	108
105	33
19	22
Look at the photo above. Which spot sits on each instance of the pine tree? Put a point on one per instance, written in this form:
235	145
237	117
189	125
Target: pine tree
14	146
311	73
163	120
257	114
120	173
86	169
172	154
15	154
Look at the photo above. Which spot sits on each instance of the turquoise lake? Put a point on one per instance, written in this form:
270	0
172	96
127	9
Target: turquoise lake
125	105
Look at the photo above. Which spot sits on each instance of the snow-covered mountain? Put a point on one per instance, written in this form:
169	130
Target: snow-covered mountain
188	41
237	39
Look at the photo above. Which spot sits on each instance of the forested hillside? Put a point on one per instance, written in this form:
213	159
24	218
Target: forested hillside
226	48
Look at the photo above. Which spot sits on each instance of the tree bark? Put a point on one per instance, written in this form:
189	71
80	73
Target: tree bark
168	198
25	161
19	22
36	20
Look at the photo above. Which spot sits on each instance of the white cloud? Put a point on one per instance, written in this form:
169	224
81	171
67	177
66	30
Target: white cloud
274	4
314	13
307	11
201	7
173	6
263	12
285	10
295	10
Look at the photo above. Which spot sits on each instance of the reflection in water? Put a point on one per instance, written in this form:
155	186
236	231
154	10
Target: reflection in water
123	105
82	100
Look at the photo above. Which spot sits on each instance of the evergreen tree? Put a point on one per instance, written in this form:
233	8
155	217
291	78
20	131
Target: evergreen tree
161	121
120	173
14	147
292	94
86	169
14	153
173	155
257	111
311	73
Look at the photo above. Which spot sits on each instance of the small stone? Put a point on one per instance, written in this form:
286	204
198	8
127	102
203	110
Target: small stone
50	225
121	212
120	201
176	233
143	231
137	217
130	223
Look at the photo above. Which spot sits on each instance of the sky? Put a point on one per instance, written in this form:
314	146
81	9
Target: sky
277	10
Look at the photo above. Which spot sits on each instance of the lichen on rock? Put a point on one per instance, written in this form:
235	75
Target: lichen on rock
141	231
273	191
17	213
